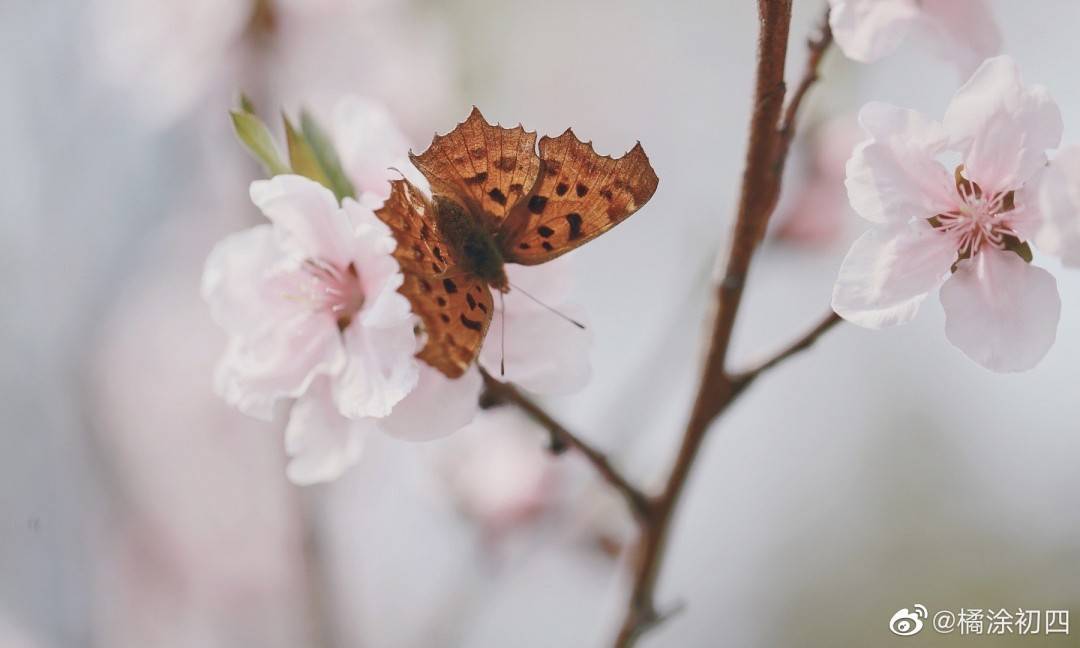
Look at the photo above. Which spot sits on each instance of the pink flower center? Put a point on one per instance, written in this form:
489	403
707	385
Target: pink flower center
333	290
979	219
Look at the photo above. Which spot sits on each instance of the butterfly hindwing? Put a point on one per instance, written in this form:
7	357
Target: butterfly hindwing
578	196
456	313
487	168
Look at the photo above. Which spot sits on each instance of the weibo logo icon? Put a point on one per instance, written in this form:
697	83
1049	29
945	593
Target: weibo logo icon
908	622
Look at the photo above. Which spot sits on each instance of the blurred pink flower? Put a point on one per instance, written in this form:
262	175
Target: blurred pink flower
961	31
170	58
313	294
1001	310
816	213
372	148
165	55
202	537
1059	204
498	470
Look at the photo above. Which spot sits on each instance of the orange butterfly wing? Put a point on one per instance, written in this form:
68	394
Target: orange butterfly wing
579	195
455	308
456	312
411	217
487	168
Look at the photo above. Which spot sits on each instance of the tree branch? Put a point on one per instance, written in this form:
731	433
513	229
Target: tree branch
816	48
561	438
801	344
771	131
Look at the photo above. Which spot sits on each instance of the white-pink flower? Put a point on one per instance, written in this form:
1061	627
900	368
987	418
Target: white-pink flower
961	31
969	228
311	306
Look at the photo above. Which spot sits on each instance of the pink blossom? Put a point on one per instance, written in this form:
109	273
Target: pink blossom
498	470
436	407
969	229
961	31
310	297
311	307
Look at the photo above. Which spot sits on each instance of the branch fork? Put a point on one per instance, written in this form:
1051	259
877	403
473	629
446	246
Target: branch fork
772	130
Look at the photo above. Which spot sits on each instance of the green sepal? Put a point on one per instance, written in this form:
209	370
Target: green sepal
256	137
326	157
313	156
302	156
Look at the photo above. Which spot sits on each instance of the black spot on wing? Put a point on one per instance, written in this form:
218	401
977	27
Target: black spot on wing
498	196
537	204
574	221
471	323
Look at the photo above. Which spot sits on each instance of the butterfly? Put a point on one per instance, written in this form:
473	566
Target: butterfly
494	201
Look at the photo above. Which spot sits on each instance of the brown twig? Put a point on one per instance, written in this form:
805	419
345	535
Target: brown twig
771	131
563	438
816	48
807	340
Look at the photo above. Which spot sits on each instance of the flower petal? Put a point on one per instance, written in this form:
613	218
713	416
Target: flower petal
964	31
888	272
373	150
867	30
321	443
1001	311
894	176
438	406
371	248
381	369
235	277
306	217
1058	201
1002	127
278	361
544	353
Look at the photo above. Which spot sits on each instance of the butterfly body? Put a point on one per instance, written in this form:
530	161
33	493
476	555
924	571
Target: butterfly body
471	242
494	201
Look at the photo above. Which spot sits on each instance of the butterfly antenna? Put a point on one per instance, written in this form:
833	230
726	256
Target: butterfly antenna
562	315
502	334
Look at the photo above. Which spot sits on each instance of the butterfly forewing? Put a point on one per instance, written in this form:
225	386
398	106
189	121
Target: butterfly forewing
411	217
456	312
578	196
489	169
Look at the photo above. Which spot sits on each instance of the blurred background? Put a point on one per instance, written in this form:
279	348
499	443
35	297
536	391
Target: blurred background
876	471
